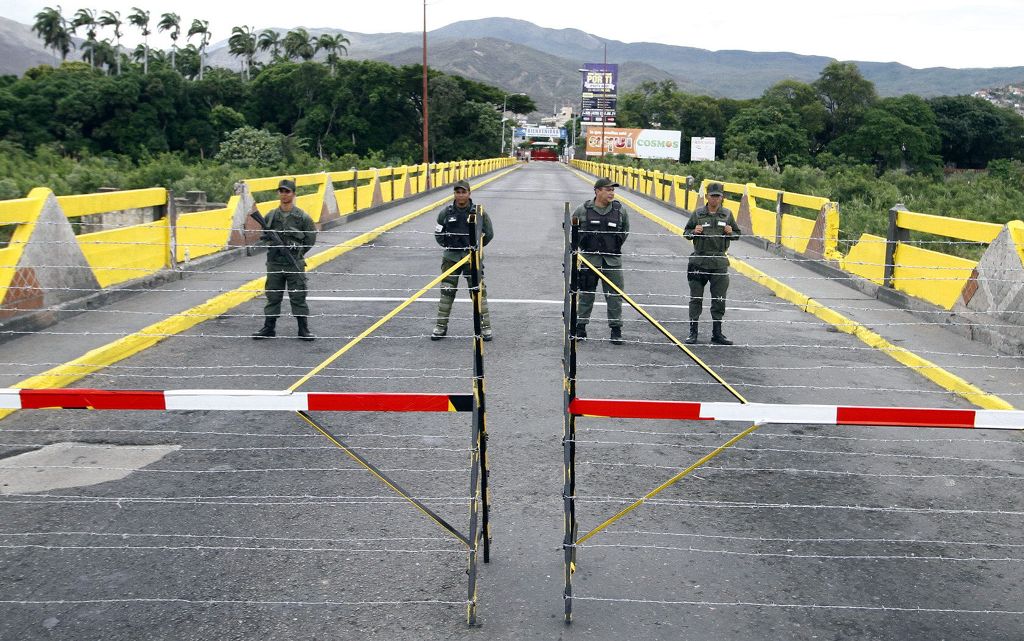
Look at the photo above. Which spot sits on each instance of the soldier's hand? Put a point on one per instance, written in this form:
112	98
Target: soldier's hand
699	229
728	229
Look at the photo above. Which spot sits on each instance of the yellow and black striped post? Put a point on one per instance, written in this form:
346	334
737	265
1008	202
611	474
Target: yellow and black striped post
478	508
570	269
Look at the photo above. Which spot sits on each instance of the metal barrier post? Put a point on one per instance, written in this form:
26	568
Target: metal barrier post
570	269
895	236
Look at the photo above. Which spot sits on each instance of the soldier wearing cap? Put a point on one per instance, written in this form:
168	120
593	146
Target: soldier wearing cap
711	228
604	226
296	229
452	233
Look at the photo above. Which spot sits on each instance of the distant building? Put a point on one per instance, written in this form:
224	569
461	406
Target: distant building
563	116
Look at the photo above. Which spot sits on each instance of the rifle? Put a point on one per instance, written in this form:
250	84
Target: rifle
275	237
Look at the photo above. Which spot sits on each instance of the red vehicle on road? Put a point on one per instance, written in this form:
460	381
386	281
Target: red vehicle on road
543	153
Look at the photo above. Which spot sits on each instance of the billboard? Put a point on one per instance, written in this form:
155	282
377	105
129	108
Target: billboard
639	143
540	132
599	94
702	149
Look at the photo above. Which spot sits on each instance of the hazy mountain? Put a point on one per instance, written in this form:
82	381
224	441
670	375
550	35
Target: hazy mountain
521	57
20	49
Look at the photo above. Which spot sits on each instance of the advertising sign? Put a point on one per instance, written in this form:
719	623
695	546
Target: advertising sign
600	93
639	143
702	149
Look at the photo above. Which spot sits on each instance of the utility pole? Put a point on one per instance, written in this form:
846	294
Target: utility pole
426	117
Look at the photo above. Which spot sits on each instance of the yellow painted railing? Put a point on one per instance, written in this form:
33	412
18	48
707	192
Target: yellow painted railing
930	275
126	253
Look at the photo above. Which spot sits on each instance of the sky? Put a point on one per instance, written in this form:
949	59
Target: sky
917	33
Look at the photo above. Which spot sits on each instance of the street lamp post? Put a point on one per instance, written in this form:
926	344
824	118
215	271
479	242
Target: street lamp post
504	106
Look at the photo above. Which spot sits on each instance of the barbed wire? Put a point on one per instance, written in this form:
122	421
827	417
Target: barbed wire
791	470
796	606
755	450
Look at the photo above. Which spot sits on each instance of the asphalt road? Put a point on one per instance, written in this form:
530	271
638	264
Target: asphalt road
250	525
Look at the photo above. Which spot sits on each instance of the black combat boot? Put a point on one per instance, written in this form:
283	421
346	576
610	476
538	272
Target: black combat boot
616	336
304	332
692	338
717	337
581	332
267	331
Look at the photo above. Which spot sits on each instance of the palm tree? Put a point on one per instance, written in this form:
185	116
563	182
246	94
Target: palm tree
102	53
140	19
270	39
113	19
332	45
188	61
200	28
242	44
87	18
297	44
51	26
142	53
171	22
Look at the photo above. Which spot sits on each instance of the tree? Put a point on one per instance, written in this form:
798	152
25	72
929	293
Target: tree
975	132
171	22
252	147
298	44
113	19
51	26
242	44
897	133
140	18
87	18
803	99
270	40
846	95
102	54
200	28
187	62
333	45
773	132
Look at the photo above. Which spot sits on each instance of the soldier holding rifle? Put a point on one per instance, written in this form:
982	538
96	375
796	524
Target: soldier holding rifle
290	233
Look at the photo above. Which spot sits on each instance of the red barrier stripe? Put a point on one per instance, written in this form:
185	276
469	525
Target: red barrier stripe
907	417
635	409
73	399
380	402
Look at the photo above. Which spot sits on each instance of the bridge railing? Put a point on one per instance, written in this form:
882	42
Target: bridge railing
47	263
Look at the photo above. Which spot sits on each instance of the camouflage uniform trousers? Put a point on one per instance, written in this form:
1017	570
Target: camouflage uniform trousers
449	287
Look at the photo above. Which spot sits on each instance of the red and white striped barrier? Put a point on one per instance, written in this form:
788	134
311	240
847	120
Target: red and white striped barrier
801	414
231	400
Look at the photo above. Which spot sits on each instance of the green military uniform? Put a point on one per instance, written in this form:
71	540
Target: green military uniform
603	230
298	231
452	233
708	262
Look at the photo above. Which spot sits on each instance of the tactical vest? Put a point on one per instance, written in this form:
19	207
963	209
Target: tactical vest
456	234
602	234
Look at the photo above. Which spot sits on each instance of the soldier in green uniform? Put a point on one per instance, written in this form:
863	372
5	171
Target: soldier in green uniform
604	226
298	232
452	233
711	228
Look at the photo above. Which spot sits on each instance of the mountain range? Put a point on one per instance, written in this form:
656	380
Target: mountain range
519	56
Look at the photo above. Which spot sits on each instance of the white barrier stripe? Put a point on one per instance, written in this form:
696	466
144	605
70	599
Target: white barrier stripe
254	400
999	420
772	413
10	399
